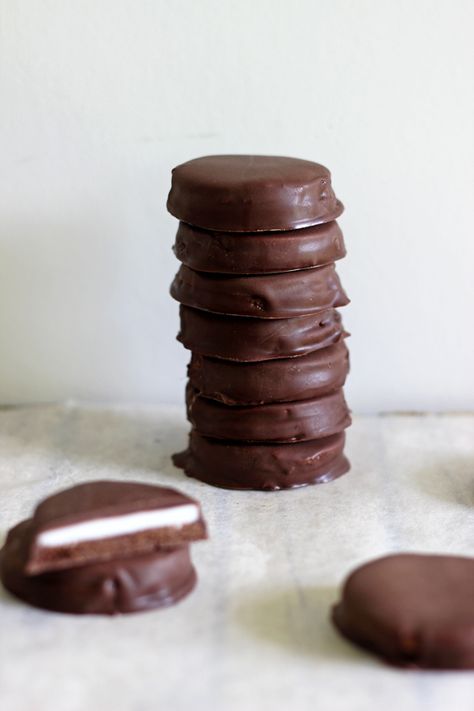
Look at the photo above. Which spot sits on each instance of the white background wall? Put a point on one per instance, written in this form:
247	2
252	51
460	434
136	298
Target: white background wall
101	98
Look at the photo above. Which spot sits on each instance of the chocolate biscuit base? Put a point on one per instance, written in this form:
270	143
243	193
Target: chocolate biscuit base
123	585
274	422
281	380
248	193
412	610
252	339
274	296
267	467
260	252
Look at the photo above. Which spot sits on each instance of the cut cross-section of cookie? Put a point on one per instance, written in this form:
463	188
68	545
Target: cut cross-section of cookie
102	520
122	585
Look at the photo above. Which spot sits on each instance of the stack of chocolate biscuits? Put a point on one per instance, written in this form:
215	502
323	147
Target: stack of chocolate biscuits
258	291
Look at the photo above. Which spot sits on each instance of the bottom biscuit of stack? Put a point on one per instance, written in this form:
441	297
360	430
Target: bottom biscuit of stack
263	465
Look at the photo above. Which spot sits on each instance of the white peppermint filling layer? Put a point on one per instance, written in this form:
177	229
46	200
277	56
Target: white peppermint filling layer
175	517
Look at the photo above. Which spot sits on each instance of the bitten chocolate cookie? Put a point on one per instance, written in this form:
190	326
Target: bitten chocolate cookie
263	466
104	547
413	610
246	193
127	584
258	252
274	296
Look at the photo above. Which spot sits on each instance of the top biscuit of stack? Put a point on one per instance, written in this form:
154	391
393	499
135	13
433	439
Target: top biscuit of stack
243	193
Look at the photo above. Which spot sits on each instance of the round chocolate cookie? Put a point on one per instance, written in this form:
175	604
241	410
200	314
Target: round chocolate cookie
412	610
260	252
280	380
274	422
254	339
266	467
273	296
246	193
122	585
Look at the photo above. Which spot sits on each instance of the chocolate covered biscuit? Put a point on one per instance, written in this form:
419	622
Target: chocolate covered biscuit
252	339
121	585
263	466
247	193
99	520
258	252
274	422
280	380
412	610
104	547
274	296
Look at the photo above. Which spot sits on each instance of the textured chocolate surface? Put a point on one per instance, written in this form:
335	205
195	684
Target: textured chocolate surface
264	296
251	339
261	252
246	193
280	380
128	584
96	500
413	610
276	422
263	466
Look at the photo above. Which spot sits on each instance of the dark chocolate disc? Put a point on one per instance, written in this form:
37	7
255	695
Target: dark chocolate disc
263	466
280	380
128	584
413	610
275	422
261	252
245	193
264	296
252	339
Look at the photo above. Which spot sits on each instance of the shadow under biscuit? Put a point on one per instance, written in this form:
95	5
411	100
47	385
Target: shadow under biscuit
6	598
299	621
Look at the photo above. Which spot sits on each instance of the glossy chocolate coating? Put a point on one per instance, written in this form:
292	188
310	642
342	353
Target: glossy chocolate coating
251	339
278	380
261	252
129	584
275	422
246	193
412	610
263	466
264	296
100	500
